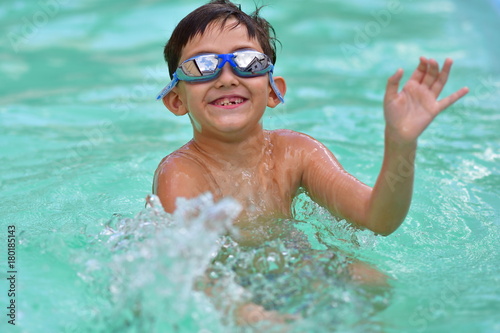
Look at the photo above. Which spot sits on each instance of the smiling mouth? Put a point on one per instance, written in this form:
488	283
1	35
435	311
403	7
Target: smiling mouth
228	101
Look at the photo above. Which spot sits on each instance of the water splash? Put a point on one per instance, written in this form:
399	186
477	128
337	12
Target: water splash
185	272
143	269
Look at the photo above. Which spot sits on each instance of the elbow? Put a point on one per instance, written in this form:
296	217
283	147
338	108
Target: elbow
386	228
384	233
386	222
376	229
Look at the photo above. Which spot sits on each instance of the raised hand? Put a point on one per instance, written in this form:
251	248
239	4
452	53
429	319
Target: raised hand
409	112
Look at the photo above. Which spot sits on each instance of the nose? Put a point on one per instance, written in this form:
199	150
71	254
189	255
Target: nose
227	77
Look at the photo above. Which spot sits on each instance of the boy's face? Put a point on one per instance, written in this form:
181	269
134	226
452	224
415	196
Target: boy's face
207	102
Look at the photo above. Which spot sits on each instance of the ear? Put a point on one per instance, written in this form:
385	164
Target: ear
174	102
273	99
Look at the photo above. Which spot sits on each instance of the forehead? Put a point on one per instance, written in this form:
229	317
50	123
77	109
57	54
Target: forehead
220	39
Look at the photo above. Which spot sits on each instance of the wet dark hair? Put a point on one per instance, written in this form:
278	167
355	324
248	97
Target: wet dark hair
218	10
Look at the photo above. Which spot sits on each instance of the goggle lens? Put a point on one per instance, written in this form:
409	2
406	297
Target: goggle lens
200	66
251	62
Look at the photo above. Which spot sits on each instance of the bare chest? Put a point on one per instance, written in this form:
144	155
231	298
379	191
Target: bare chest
266	190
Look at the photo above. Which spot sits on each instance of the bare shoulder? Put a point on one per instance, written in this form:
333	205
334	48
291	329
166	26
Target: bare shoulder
296	141
178	175
307	154
178	160
174	165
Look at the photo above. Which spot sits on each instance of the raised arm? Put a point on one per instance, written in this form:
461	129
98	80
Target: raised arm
407	114
383	208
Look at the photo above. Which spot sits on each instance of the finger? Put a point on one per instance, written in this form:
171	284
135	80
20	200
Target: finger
432	73
438	85
447	101
391	91
419	73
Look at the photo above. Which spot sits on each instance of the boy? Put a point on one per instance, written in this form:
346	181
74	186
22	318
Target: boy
221	64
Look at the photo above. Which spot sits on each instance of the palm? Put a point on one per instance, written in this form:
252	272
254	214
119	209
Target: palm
410	111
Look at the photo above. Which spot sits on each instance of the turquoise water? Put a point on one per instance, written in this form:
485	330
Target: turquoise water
81	136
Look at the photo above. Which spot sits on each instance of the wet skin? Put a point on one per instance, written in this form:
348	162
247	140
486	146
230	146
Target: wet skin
231	155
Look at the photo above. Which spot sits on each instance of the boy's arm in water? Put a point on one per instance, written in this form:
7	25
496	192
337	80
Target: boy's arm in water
383	208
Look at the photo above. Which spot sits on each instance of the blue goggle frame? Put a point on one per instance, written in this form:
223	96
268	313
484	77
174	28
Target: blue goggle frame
206	67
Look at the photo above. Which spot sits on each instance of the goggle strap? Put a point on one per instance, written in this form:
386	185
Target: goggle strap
168	88
275	88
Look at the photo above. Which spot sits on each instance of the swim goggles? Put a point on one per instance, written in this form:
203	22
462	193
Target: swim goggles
206	67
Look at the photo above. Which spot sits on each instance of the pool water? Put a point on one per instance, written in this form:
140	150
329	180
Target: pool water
81	136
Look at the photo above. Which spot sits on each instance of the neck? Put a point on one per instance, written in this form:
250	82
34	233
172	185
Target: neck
235	152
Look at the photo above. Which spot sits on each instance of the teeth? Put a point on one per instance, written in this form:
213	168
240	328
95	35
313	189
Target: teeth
226	102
